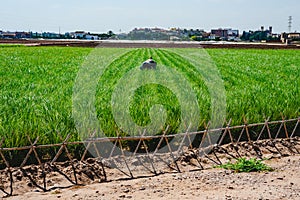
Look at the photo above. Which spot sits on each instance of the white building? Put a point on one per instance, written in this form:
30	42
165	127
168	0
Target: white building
78	34
84	35
92	37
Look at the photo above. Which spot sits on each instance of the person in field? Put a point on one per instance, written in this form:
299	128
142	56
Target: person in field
149	64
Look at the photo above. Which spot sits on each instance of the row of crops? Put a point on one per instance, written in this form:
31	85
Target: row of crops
37	84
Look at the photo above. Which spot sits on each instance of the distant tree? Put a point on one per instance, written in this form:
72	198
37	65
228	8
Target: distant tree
245	36
218	39
110	33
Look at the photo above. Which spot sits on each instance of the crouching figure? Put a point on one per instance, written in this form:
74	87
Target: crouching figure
149	64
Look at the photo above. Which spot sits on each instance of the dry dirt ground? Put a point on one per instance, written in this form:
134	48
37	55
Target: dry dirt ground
283	155
143	44
283	183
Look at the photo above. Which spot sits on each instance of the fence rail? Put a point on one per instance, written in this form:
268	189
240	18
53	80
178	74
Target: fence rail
130	164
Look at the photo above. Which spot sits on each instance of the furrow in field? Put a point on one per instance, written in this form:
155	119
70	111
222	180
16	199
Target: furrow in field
192	76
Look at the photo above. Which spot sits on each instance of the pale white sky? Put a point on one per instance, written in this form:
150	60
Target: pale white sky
115	15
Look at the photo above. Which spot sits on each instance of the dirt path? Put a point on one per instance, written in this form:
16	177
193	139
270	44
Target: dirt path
283	183
147	44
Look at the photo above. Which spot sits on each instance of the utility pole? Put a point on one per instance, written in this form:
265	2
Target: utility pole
290	23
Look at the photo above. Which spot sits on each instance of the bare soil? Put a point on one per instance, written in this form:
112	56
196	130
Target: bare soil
283	155
283	183
142	44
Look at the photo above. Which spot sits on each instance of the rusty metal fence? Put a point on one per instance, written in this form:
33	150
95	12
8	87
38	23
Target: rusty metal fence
129	164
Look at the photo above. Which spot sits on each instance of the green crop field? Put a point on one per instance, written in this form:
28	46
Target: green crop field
37	83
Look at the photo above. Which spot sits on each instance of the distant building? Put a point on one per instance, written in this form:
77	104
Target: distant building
175	38
37	35
289	37
91	36
262	35
221	33
50	35
224	34
159	30
23	34
78	34
15	35
232	34
294	35
8	35
84	35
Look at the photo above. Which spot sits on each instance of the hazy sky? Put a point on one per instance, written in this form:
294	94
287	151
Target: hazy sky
116	15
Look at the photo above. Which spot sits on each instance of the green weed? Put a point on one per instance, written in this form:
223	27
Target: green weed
246	165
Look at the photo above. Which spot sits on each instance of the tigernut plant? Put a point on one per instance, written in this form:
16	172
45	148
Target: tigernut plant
36	88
